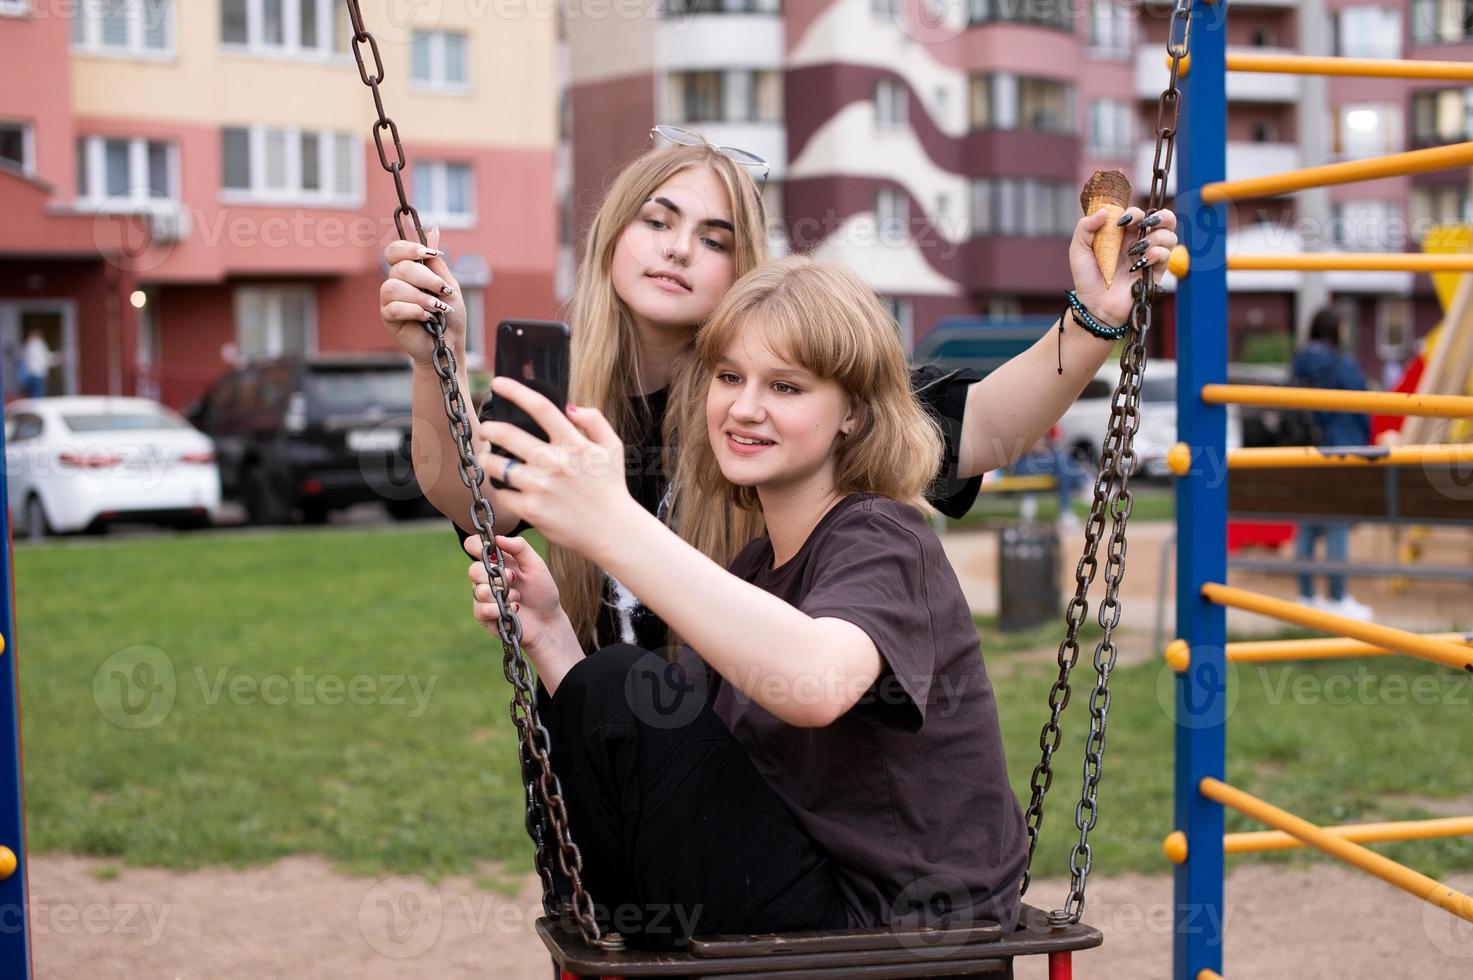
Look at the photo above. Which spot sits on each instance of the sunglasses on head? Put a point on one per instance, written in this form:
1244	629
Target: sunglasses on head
685	137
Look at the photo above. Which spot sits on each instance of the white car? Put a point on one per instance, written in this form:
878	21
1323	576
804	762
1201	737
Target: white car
1082	429
77	463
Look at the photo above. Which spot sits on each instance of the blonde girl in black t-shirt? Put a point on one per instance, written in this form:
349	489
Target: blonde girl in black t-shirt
829	755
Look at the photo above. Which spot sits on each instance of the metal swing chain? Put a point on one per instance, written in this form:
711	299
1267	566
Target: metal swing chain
545	807
1112	495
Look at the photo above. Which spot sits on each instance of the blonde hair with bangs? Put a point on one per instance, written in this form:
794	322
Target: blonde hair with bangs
605	344
824	318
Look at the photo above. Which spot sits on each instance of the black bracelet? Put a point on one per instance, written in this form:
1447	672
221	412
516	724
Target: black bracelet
1086	320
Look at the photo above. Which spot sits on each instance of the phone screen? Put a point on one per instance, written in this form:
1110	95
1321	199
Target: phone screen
534	352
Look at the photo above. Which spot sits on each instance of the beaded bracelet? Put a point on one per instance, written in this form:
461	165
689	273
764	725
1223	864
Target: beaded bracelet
1086	320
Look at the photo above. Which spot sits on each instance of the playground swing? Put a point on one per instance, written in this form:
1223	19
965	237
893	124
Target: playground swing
570	930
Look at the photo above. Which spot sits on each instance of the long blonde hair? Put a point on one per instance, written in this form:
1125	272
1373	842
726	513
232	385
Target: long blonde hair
605	344
824	318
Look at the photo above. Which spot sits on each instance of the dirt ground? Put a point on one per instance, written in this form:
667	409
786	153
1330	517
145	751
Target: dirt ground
299	919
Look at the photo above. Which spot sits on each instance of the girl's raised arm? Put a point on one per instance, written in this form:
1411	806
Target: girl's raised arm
1010	409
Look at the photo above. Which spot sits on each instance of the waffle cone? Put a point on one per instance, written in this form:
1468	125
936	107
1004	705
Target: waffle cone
1108	189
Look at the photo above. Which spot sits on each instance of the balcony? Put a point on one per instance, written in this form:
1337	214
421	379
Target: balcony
696	42
1152	73
1244	161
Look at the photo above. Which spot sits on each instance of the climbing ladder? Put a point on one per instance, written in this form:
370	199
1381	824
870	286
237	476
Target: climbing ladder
1201	653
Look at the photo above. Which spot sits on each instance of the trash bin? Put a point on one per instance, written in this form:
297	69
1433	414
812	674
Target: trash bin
1027	576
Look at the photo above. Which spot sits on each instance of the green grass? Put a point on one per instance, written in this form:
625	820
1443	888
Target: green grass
431	787
1150	503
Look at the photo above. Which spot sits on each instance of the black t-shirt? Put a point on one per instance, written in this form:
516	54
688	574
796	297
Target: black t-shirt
908	791
624	619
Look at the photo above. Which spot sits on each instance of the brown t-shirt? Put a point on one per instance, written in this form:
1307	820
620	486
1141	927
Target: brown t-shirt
908	791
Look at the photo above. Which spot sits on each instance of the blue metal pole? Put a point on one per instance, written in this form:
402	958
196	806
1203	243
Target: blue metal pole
1201	498
15	920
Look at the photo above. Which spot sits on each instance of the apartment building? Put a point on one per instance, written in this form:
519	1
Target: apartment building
939	148
190	184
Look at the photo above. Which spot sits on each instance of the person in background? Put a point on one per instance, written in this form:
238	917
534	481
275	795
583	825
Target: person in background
1322	364
35	365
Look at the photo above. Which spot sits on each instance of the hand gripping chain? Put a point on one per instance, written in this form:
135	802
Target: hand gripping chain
545	809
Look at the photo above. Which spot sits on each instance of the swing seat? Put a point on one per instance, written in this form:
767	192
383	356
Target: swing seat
978	949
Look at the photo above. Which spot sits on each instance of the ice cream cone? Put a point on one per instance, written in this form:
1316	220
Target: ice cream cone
1110	190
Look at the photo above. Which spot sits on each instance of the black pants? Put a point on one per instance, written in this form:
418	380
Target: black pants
679	833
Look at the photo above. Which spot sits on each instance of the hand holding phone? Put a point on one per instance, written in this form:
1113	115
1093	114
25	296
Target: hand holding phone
536	353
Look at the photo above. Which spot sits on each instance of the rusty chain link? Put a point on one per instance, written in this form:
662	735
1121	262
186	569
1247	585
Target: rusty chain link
545	808
1111	495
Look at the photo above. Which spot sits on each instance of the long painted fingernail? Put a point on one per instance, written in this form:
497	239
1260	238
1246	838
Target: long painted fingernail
443	307
446	291
1125	219
1140	247
1152	221
1140	264
516	607
429	253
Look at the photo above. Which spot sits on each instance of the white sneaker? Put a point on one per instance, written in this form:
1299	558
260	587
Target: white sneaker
1313	602
1350	609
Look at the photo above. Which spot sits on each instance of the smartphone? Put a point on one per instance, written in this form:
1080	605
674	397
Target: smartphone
536	353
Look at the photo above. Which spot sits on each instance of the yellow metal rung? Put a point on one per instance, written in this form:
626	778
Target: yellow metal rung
1373	168
1324	648
1361	833
1412	644
1294	64
1019	484
1354	262
1331	400
1298	457
1351	853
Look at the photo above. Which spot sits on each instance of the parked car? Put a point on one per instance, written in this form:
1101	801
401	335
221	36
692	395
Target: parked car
78	463
1083	425
299	437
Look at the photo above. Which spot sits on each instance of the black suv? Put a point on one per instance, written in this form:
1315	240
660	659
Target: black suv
301	436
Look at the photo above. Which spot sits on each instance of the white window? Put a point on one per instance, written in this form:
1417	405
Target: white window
15	8
737	95
891	104
1367	129
285	27
138	28
1367	32
1441	21
445	193
17	147
1442	116
1366	226
438	60
892	215
271	164
1109	28
903	313
475	328
271	320
1023	206
122	173
1432	206
1111	127
1393	327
